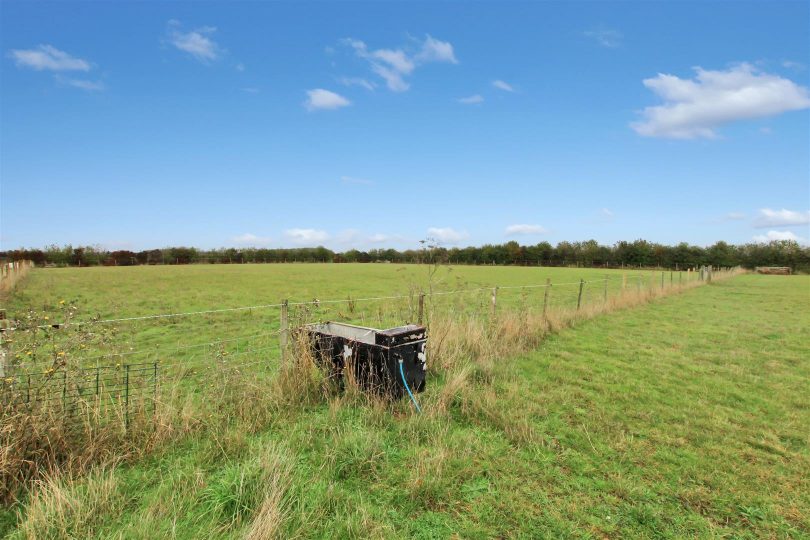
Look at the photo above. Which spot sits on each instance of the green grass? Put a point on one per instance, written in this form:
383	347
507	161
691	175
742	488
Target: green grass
109	292
686	417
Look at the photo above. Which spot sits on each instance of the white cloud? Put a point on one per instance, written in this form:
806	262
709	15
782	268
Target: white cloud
434	50
197	42
446	235
357	81
90	86
606	214
249	239
734	216
393	65
781	218
472	100
396	58
306	236
48	58
324	99
606	37
503	85
378	238
790	64
696	107
353	180
772	236
240	67
519	229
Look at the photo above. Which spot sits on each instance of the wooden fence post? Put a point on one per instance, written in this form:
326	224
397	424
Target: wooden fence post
283	330
494	300
579	297
606	286
662	279
420	316
545	296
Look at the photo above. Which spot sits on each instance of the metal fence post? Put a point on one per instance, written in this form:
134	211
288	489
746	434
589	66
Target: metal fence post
420	315
126	396
579	297
154	389
662	279
545	296
284	329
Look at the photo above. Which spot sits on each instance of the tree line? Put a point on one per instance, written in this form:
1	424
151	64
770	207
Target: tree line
639	253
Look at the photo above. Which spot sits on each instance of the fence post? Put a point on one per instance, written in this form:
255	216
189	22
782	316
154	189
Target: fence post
671	278
421	313
126	395
545	296
97	380
494	300
606	285
154	389
662	279
579	297
680	277
284	329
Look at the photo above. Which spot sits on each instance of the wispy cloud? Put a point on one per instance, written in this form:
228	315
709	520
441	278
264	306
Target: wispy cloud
697	107
48	58
446	235
90	86
781	218
472	100
503	85
249	239
320	99
792	64
524	229
734	216
378	238
772	236
239	67
308	237
250	90
354	180
198	42
606	37
357	81
393	65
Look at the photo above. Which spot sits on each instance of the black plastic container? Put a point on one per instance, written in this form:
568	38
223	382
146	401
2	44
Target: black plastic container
373	355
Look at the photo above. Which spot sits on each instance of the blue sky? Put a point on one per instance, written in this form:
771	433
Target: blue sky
136	125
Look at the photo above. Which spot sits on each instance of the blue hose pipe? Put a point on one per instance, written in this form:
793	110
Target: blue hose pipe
408	388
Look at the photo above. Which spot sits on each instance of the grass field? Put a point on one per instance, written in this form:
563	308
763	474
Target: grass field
104	293
685	417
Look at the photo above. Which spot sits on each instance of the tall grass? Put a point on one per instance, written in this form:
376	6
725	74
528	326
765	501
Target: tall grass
42	455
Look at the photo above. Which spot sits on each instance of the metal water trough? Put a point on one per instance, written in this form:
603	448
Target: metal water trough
373	355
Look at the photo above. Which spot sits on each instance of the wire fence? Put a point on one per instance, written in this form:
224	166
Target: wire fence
121	361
